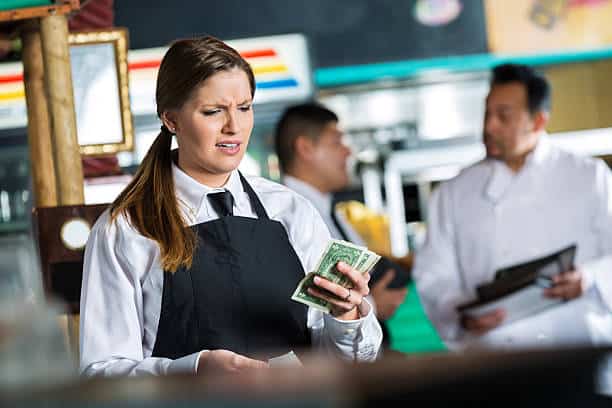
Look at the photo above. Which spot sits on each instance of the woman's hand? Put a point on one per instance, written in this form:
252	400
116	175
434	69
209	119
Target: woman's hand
345	302
227	361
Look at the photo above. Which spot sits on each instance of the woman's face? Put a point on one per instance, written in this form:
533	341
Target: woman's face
213	127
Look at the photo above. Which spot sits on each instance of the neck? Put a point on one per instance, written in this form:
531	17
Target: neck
208	179
308	178
516	164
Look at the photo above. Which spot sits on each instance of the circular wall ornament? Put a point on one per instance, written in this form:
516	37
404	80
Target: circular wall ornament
74	233
437	12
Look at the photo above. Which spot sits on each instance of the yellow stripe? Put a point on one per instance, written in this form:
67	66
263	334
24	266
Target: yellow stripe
4	96
267	69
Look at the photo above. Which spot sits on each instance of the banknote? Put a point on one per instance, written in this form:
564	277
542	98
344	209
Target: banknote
360	258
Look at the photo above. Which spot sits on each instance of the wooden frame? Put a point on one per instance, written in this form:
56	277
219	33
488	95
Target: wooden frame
99	66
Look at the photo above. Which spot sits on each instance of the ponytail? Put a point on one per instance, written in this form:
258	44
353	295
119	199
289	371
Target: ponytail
149	203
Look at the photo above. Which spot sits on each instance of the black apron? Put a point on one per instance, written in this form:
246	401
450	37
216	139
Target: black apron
237	294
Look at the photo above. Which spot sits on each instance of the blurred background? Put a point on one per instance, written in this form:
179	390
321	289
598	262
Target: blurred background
408	79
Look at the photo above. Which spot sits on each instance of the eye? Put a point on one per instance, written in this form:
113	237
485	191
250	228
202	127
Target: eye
245	108
211	112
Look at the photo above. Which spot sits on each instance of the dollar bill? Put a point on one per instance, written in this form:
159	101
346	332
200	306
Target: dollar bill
360	258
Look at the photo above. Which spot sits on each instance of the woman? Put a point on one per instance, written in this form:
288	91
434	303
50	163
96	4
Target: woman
193	266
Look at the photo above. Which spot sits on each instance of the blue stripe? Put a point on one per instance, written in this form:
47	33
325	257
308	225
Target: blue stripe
356	74
281	83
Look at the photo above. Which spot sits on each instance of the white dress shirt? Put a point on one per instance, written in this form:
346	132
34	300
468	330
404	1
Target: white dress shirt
489	217
323	203
123	283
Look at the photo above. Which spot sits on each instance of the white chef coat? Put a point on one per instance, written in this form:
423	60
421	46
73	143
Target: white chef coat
123	282
489	217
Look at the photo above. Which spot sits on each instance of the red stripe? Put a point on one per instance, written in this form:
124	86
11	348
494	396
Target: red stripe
246	54
11	78
144	64
267	52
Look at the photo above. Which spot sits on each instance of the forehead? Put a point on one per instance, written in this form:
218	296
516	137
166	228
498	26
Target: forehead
331	129
224	87
511	94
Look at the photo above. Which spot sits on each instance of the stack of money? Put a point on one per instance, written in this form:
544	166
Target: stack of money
360	258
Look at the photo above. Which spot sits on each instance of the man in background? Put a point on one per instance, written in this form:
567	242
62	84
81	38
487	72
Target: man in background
525	200
313	159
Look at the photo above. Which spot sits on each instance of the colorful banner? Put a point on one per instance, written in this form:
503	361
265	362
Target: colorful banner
281	65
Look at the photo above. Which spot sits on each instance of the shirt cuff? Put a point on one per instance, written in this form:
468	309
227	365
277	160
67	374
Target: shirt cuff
187	364
348	328
596	274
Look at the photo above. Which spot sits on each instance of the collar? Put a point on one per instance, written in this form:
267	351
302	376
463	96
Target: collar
321	201
191	193
501	176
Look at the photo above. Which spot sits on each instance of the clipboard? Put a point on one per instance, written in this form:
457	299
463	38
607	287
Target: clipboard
518	289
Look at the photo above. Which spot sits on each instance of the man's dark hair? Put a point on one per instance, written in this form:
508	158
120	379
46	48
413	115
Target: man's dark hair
307	120
538	89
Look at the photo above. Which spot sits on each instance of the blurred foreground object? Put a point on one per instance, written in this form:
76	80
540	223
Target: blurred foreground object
33	350
559	378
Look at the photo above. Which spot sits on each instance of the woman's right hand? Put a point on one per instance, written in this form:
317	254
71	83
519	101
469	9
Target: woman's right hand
227	361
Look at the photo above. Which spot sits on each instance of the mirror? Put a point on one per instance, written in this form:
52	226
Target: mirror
99	66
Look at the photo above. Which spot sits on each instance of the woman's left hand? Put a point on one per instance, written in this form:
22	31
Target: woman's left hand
345	302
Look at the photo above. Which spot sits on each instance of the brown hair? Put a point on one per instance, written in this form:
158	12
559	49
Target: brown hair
149	201
307	119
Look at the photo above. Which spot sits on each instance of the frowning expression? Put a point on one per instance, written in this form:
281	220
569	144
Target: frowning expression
213	127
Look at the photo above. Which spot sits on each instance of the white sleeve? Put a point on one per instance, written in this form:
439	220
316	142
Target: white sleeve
111	321
436	271
351	340
598	272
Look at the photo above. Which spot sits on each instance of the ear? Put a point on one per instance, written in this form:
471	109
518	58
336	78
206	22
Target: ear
304	148
540	120
168	118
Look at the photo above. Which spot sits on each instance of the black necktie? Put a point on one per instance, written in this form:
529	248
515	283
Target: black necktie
222	202
337	224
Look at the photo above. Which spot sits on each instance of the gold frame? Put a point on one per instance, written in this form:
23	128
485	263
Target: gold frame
119	38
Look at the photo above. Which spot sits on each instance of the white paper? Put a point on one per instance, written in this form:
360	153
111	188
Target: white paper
525	302
286	360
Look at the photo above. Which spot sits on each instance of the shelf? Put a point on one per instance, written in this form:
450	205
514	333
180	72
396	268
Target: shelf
59	7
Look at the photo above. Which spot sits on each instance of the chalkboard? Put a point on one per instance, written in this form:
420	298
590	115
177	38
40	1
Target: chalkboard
341	32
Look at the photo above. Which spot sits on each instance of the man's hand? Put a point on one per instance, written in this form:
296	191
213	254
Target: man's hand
567	285
387	300
215	361
481	325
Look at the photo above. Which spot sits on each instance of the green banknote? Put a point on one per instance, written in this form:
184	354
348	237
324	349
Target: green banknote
358	257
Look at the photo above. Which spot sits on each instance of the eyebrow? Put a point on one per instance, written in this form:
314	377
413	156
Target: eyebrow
246	101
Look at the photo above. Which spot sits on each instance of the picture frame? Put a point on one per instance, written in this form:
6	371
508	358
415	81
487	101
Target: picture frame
99	66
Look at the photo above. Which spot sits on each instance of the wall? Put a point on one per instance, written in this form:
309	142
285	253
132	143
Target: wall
342	32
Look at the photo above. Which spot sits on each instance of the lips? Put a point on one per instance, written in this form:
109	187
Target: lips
229	146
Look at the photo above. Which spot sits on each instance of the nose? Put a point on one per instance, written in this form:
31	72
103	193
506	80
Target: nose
232	126
346	150
490	124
